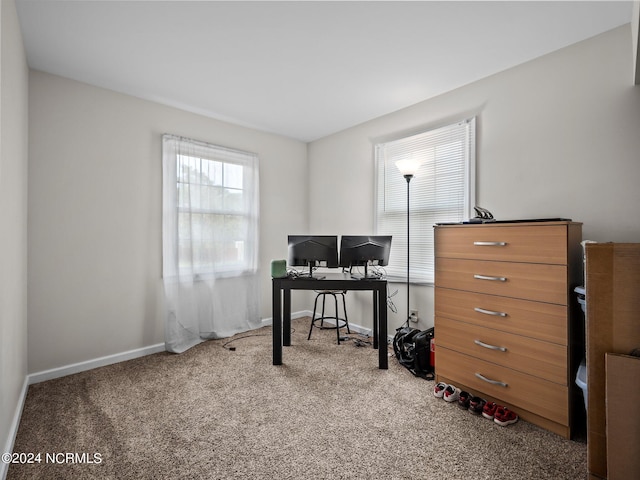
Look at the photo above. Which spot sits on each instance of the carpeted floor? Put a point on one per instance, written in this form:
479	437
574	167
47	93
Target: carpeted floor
327	413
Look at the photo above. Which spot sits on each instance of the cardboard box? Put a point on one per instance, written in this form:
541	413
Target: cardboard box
613	326
623	416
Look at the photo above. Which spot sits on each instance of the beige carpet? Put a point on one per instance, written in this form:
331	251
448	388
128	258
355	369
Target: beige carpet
327	413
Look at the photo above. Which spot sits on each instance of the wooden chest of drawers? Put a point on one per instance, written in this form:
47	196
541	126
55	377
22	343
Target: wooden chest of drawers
506	323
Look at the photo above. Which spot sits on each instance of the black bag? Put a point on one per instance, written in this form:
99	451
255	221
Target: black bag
403	345
413	350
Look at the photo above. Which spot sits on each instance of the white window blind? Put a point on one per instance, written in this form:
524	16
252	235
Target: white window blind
443	190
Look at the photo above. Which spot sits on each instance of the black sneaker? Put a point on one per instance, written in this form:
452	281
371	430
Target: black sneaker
464	399
476	404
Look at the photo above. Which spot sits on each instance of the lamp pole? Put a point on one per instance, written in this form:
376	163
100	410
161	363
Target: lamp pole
408	178
408	168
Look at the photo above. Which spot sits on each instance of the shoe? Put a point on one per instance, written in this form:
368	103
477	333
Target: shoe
463	400
489	410
504	416
438	390
476	404
451	394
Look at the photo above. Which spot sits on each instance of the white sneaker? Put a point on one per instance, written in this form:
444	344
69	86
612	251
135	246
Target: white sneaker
451	394
438	390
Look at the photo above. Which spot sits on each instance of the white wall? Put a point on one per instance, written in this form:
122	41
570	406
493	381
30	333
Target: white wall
557	137
13	223
95	215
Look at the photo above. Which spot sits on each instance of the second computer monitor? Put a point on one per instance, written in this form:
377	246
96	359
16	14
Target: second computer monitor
364	250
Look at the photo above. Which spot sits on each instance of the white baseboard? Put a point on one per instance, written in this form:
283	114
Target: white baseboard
13	429
308	313
119	357
141	352
95	363
357	328
302	313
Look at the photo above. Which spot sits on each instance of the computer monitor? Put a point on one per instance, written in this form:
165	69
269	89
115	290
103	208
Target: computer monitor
364	250
313	251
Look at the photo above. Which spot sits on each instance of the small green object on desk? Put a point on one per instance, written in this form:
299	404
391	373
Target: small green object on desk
278	268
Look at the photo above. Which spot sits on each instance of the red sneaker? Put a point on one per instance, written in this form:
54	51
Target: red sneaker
489	410
504	416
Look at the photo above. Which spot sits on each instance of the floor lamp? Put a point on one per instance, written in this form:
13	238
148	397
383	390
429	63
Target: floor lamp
408	168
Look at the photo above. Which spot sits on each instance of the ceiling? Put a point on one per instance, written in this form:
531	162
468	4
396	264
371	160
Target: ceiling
300	69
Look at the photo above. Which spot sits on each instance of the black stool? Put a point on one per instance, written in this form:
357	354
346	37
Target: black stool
340	322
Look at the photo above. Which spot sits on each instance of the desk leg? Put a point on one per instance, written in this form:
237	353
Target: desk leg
376	318
286	318
276	328
383	358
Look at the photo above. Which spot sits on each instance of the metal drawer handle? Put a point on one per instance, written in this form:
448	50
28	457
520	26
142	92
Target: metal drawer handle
493	279
490	347
492	382
490	244
490	312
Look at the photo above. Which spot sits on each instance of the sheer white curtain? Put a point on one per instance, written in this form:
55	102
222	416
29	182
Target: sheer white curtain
209	242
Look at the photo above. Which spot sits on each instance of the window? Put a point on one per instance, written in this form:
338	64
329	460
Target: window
443	190
213	221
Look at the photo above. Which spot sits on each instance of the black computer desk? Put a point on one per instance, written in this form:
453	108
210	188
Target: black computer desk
281	330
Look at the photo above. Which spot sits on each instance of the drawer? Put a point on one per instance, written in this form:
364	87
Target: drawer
530	281
535	244
527	355
544	321
544	398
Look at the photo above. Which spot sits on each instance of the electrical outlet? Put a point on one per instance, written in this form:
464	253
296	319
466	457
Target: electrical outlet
413	315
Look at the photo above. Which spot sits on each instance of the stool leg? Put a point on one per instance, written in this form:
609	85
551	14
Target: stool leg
335	299
313	316
324	299
344	307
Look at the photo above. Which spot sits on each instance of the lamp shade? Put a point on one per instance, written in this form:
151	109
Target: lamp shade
408	166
